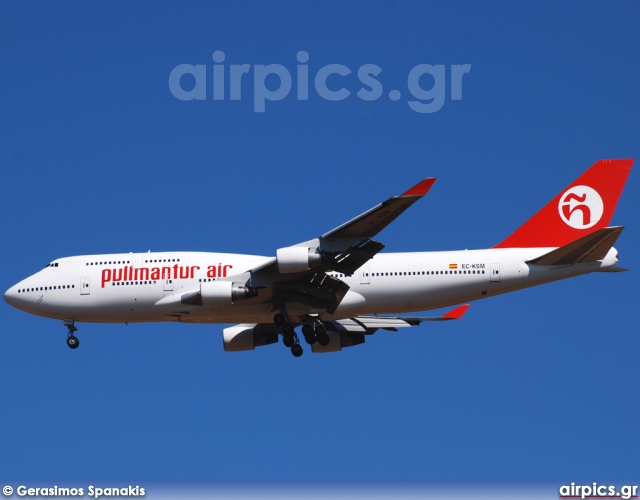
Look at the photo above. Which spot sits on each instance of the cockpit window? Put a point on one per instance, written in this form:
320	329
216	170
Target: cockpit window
53	264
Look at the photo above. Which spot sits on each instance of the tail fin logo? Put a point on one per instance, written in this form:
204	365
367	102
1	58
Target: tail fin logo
581	207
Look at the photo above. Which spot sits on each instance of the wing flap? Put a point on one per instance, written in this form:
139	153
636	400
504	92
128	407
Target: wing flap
367	324
320	291
349	261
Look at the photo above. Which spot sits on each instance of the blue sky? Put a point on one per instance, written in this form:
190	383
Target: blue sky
98	156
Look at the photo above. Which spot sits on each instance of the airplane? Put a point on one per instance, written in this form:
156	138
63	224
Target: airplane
337	287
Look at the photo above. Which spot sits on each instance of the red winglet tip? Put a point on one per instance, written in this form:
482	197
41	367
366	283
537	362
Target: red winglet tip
421	188
457	313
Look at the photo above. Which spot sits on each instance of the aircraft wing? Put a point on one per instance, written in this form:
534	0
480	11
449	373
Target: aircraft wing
299	273
347	247
352	331
369	324
342	333
370	223
303	273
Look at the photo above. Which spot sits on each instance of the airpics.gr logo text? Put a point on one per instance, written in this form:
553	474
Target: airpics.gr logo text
426	83
581	207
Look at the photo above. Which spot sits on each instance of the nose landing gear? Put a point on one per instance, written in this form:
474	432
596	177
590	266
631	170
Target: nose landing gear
72	340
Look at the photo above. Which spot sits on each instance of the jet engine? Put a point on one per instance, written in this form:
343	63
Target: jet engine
246	337
219	293
297	259
222	293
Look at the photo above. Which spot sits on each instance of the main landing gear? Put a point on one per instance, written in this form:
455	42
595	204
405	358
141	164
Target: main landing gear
72	340
313	332
289	335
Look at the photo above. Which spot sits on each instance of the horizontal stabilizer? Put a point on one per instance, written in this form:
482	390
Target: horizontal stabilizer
615	269
590	248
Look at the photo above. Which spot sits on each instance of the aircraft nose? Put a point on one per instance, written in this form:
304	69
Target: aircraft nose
11	296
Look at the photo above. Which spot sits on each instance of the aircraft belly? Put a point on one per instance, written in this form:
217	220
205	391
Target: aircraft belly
259	313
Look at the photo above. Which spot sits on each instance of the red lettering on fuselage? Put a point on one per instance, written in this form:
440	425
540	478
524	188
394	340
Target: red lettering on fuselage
141	273
219	271
129	273
106	276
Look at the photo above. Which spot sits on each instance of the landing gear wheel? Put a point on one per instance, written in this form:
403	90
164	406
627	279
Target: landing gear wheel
296	350
307	330
279	319
288	340
324	340
73	342
310	339
320	331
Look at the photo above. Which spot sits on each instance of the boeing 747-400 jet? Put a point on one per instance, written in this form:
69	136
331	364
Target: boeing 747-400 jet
337	287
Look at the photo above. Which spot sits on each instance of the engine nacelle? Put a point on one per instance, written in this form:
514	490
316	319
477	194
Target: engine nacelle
246	337
238	338
222	293
297	259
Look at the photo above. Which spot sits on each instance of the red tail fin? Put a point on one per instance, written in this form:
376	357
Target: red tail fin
583	207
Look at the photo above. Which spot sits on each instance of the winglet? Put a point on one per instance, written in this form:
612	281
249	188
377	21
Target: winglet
456	313
421	188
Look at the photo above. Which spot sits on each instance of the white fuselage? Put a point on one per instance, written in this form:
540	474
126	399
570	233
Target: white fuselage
147	287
